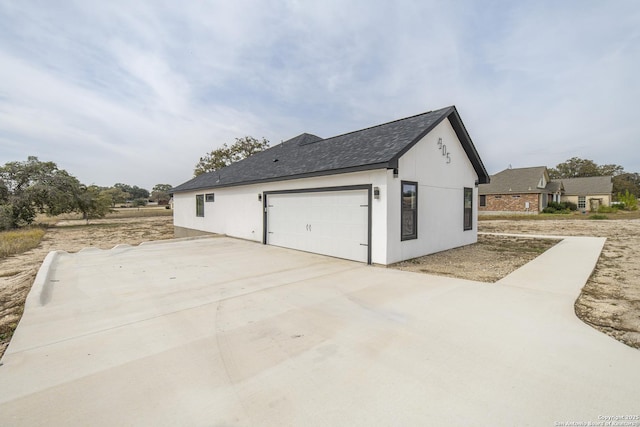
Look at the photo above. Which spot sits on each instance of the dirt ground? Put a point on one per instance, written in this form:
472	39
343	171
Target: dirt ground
610	301
489	260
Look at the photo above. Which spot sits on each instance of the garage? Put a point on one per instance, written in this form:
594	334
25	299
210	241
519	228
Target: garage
327	221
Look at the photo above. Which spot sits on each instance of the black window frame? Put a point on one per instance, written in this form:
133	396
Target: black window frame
483	201
414	211
200	205
467	212
210	197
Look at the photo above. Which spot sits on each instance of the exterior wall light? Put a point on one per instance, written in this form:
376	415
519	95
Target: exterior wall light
376	192
259	197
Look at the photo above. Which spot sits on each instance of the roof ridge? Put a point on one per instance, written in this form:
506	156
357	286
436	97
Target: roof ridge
387	123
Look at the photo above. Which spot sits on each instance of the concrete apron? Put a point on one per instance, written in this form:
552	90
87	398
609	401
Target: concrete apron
227	332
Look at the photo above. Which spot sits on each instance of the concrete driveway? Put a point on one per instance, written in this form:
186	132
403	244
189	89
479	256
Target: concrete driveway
221	332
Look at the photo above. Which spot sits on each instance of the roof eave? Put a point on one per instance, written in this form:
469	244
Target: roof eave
463	136
373	166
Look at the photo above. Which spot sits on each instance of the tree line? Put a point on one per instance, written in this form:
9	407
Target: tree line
35	187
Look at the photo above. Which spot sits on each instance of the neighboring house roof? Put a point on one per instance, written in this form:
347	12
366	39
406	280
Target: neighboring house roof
308	155
586	185
520	180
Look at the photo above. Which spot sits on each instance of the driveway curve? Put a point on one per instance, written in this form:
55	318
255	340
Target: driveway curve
219	331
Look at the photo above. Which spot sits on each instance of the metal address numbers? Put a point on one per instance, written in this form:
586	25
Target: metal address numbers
443	147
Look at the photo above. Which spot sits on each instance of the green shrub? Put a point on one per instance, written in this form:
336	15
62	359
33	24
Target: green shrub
549	210
562	206
607	209
630	200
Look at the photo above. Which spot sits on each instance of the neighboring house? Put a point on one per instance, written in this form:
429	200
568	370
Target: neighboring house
379	195
519	191
588	193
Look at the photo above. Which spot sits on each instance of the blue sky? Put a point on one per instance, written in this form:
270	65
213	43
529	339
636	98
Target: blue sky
136	92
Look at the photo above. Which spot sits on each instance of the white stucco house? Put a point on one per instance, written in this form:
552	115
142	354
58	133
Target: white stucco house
380	195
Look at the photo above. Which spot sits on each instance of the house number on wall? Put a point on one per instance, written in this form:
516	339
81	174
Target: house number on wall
442	147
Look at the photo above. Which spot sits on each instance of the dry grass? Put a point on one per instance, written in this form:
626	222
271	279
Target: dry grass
142	212
19	241
618	214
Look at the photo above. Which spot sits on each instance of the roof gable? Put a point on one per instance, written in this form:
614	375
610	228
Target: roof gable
306	155
517	180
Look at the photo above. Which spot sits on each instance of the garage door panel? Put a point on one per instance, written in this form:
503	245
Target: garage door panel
331	223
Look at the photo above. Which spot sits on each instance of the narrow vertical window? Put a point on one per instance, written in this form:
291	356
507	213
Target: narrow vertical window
468	208
200	205
409	207
483	201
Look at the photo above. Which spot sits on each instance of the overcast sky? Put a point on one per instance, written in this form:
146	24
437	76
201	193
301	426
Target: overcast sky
136	91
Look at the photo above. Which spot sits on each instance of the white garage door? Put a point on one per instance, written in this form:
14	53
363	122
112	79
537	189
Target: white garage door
334	223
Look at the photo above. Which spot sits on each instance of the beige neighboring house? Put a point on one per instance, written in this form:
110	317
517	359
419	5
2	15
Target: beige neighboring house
518	191
588	193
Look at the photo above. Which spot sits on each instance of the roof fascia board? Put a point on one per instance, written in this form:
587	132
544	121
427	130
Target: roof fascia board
463	136
384	165
420	136
467	145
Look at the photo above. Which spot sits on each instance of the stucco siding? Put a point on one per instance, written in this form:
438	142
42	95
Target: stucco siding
440	196
605	199
237	212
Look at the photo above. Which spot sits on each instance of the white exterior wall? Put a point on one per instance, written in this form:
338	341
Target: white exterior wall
237	211
440	196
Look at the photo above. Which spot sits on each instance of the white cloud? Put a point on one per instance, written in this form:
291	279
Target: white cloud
137	92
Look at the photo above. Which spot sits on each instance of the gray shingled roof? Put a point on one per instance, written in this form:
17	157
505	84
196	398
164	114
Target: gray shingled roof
307	155
520	180
586	185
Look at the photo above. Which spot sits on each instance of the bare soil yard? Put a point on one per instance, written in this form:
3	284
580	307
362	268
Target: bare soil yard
610	301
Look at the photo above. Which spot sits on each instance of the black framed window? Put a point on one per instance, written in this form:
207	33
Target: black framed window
468	208
409	207
200	205
483	200
210	197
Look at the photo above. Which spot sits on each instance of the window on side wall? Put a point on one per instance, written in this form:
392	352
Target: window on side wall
200	205
582	202
468	208
483	201
409	208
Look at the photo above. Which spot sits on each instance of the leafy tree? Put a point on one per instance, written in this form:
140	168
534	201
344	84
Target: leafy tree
32	187
161	192
573	168
135	191
140	202
225	155
610	170
115	196
93	202
627	182
576	167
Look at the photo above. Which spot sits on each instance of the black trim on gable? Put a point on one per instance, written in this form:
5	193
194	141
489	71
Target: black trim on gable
419	137
385	165
463	136
469	148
